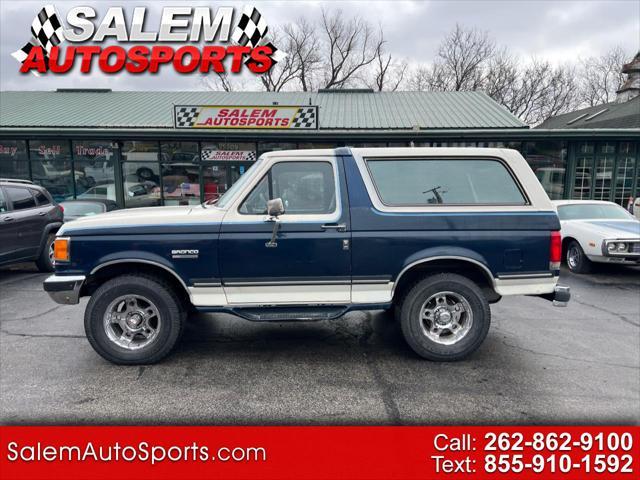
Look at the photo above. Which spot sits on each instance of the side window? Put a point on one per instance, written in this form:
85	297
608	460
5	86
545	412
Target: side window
3	203
409	182
41	198
21	198
256	201
306	188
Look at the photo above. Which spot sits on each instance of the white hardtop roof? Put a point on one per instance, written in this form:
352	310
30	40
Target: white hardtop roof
399	151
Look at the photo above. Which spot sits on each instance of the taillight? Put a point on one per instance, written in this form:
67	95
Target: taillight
61	208
555	251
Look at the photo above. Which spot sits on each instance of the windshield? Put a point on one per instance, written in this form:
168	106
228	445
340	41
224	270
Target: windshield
593	211
81	209
224	200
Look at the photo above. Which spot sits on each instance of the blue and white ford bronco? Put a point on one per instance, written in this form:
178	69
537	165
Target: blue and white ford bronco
436	233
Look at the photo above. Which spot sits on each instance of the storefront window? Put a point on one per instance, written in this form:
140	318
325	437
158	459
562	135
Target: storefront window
274	146
141	174
51	167
548	160
180	183
94	163
13	159
179	152
312	146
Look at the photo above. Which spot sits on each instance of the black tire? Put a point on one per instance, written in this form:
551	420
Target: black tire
156	291
576	259
44	262
413	328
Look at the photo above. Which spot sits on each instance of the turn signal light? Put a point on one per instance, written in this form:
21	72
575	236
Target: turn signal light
61	250
555	251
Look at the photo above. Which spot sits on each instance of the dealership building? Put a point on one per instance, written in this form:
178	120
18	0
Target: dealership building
176	148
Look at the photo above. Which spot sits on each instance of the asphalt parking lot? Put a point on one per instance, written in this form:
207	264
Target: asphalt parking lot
539	364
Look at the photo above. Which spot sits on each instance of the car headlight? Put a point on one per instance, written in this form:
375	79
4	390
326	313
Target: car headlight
611	247
622	247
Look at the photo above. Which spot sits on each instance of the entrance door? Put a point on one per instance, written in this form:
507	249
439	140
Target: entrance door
310	260
218	177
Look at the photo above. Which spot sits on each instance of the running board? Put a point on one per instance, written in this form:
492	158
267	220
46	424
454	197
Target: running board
289	314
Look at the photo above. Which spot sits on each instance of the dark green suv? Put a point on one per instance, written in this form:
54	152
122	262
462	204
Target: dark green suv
29	219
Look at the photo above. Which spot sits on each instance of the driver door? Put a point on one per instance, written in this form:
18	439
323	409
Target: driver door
310	260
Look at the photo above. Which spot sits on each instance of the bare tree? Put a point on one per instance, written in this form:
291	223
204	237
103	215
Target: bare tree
347	46
303	48
218	82
601	77
542	91
463	55
386	73
285	71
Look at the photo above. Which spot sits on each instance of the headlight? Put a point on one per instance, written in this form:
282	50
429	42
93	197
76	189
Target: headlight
61	250
622	247
611	247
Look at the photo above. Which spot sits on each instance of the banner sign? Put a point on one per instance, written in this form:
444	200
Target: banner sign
228	155
305	453
246	117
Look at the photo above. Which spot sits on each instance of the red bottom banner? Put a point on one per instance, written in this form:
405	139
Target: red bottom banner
320	452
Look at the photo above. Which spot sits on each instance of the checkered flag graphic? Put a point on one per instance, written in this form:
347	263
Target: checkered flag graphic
305	117
251	28
251	157
47	29
276	55
47	32
186	116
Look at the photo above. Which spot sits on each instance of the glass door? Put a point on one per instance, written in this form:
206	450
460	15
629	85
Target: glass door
625	170
583	172
218	177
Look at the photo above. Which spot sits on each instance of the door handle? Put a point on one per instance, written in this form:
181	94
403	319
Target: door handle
42	214
8	219
341	227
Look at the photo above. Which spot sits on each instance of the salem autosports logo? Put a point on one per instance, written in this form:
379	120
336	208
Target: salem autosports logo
57	48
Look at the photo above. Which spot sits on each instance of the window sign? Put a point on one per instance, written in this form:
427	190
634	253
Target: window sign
13	159
228	152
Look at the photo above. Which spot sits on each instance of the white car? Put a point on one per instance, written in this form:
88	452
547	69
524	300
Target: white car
597	231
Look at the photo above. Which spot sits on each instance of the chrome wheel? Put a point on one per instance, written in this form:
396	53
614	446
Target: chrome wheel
573	257
446	317
132	322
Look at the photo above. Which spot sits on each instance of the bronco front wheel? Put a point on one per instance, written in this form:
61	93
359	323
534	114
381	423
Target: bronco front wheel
133	319
445	317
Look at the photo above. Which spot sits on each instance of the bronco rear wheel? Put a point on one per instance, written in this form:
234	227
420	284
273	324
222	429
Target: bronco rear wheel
444	317
133	319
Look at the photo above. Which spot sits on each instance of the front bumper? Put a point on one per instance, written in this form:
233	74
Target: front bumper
560	296
64	289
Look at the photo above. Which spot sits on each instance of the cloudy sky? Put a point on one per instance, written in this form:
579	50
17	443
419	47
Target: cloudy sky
559	31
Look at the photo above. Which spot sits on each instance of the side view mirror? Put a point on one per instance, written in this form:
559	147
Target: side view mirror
275	207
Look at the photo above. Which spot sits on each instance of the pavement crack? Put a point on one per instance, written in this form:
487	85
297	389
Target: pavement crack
621	317
31	317
35	335
386	389
572	359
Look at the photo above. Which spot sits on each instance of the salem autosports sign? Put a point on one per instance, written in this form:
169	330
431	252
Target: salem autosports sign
246	117
190	39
